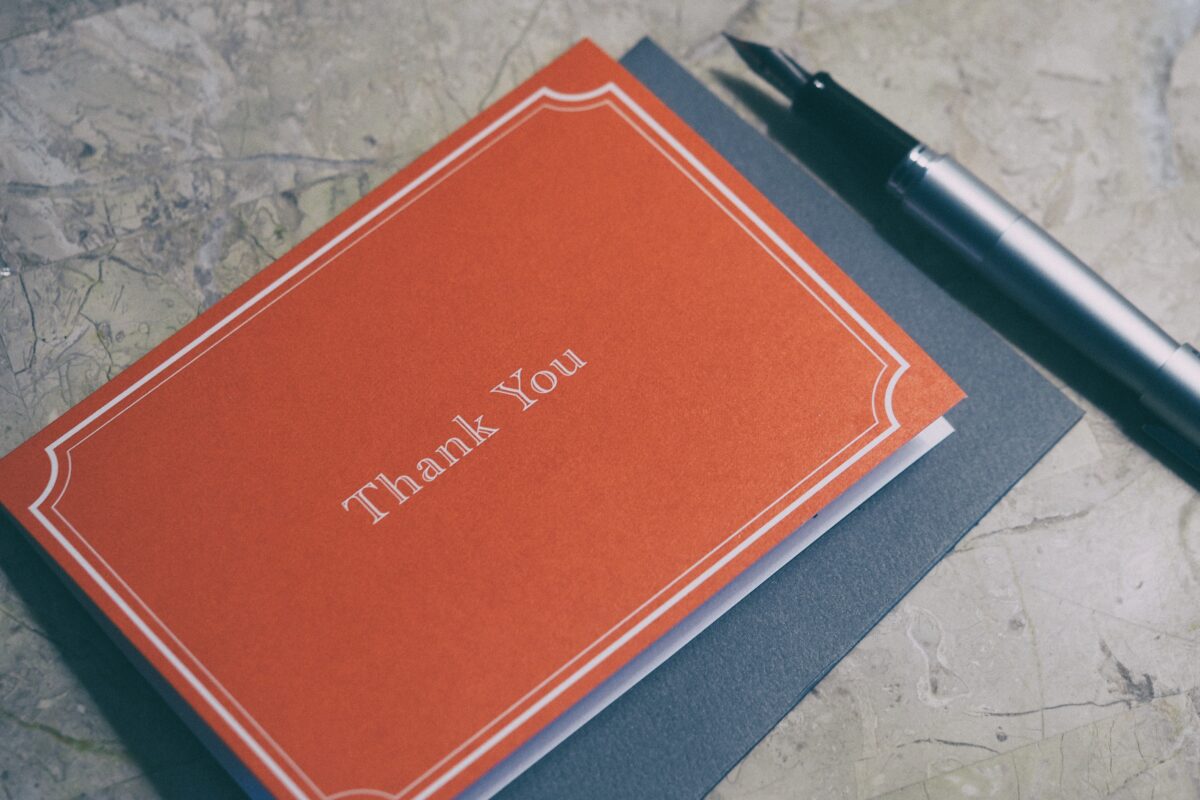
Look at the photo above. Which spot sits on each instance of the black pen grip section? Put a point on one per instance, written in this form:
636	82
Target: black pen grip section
870	138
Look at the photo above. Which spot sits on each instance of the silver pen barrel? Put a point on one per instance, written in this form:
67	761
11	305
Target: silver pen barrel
1052	284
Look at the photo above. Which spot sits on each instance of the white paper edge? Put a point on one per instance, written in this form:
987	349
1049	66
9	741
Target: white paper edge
596	700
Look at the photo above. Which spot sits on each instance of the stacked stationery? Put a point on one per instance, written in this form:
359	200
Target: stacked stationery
483	484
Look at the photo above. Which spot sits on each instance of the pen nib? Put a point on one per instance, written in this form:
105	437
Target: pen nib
776	67
750	52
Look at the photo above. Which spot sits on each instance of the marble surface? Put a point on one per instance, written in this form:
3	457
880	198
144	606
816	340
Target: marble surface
153	155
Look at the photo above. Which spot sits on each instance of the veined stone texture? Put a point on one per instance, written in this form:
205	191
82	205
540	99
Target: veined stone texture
155	154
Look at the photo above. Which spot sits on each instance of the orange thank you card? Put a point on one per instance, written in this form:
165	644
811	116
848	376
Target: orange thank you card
401	501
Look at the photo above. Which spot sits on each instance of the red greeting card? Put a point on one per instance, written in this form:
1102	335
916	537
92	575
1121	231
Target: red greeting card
403	500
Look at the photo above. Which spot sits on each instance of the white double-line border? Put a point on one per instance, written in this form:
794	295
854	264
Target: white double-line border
247	731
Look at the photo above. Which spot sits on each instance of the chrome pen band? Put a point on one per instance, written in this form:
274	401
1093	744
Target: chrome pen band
952	202
1052	284
1175	395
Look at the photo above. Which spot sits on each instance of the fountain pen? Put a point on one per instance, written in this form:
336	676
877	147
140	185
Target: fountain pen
1001	243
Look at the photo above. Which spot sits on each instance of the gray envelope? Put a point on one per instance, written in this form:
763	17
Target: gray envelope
677	732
